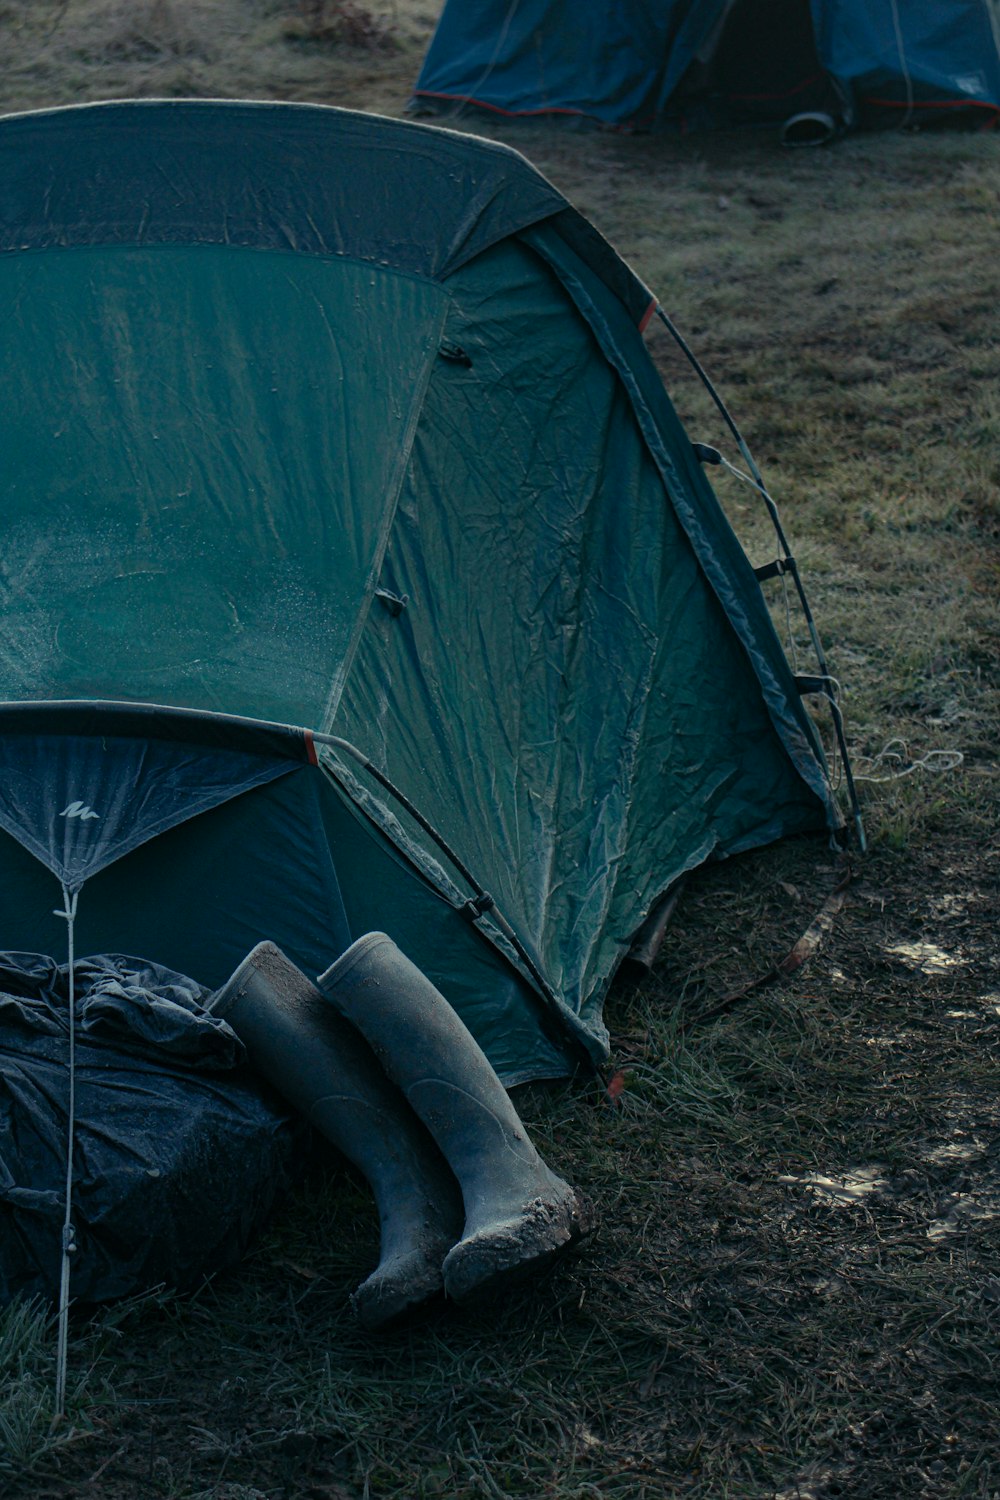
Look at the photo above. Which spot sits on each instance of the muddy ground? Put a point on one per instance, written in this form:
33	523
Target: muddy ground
795	1287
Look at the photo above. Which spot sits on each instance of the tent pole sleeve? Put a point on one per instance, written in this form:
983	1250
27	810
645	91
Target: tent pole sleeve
482	901
334	743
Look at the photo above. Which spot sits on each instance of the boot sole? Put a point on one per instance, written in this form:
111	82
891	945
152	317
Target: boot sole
392	1297
503	1254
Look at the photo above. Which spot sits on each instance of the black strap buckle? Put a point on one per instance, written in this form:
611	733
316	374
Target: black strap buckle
776	569
824	685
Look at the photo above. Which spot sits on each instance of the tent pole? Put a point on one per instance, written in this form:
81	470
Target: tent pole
481	901
792	568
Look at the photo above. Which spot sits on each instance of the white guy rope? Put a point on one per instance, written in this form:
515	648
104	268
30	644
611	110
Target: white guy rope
68	914
901	48
789	631
895	758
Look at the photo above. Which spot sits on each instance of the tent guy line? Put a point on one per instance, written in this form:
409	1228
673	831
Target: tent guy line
68	1238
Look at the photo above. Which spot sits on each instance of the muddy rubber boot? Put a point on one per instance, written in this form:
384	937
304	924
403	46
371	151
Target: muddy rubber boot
519	1214
322	1066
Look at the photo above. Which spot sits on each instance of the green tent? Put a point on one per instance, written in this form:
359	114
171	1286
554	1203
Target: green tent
322	420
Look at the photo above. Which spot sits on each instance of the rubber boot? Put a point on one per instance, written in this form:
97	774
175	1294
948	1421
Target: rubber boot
518	1214
323	1067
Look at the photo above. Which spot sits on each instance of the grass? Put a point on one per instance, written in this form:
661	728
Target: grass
66	51
732	1329
29	1434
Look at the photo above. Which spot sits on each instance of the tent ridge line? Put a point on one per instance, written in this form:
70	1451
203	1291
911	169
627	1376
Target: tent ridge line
391	505
800	751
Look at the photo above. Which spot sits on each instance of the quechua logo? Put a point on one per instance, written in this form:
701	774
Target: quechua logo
79	810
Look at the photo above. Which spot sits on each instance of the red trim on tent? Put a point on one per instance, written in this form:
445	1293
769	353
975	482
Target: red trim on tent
644	320
933	104
311	748
495	108
526	114
649	121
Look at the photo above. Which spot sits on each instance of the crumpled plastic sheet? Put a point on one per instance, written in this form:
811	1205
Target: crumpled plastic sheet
180	1150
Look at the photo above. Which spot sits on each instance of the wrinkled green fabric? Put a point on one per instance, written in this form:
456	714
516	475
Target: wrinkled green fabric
348	424
579	720
202	449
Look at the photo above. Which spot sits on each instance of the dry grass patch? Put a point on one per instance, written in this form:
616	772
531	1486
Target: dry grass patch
329	51
340	23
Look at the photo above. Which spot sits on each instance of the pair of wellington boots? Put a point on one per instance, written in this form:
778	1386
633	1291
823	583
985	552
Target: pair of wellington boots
382	1065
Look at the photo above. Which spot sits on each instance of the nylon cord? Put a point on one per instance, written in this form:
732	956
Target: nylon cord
470	97
68	915
789	632
758	479
901	48
895	752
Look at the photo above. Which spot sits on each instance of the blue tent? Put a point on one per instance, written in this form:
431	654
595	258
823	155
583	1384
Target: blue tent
655	62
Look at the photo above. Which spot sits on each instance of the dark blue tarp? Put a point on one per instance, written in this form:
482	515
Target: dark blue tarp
179	1153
